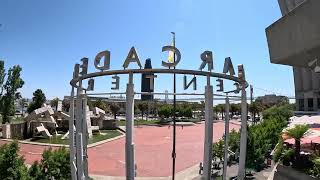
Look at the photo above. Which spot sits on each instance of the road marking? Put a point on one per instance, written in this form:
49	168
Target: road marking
35	153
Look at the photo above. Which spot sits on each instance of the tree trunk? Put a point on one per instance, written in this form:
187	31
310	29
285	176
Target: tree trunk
297	152
115	115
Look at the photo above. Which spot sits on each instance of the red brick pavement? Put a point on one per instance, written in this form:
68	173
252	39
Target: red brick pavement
153	146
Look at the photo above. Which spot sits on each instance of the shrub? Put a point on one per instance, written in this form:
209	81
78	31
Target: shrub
165	111
288	157
278	151
234	141
263	137
35	172
315	171
11	164
55	164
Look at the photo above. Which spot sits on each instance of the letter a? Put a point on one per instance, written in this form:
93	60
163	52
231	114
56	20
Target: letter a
132	57
228	67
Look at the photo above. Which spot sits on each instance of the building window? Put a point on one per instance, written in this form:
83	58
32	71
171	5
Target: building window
318	103
300	104
310	104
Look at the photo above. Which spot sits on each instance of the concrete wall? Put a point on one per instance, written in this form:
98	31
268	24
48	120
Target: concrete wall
105	124
287	173
288	5
14	131
295	39
306	87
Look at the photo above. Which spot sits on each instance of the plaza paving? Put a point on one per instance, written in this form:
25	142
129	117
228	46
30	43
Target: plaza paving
153	146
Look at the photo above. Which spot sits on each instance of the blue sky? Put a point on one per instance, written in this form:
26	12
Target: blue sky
47	38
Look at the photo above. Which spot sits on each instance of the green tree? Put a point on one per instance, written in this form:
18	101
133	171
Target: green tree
278	150
297	133
165	111
2	76
142	106
22	104
255	108
235	109
100	104
257	147
38	100
281	112
55	164
263	137
35	172
54	102
315	171
114	109
216	111
218	151
11	164
13	83
221	108
184	110
66	105
234	141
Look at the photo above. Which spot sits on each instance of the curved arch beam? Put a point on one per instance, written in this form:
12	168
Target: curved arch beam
74	82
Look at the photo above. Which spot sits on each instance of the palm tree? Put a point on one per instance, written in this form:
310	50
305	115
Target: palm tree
235	109
221	109
297	133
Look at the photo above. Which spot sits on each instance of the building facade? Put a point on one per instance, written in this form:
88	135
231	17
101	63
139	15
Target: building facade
294	40
272	99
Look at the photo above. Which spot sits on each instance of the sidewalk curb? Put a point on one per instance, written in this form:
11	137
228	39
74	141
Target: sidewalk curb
64	145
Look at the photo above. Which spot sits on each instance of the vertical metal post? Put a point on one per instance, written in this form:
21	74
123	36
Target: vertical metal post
208	136
226	138
174	114
243	138
251	101
130	167
71	137
79	135
85	135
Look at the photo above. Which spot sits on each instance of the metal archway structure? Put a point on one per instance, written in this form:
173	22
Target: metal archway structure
78	130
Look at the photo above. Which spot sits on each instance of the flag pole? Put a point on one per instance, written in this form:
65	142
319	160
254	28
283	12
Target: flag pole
174	112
